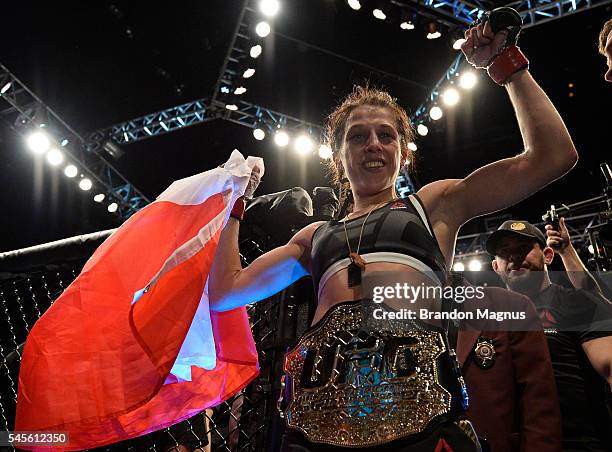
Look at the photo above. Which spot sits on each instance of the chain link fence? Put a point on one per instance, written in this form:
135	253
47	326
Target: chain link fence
246	422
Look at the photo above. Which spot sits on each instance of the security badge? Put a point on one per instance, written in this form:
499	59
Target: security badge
484	353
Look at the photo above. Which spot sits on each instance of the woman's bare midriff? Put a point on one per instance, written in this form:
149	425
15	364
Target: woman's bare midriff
336	289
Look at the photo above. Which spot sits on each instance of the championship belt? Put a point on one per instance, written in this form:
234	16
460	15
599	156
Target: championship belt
355	388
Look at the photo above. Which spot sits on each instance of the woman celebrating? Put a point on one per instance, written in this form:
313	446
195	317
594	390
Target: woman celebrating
389	386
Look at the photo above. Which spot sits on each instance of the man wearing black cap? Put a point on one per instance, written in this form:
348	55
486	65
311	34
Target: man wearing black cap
578	326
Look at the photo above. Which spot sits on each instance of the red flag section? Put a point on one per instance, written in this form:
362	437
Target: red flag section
97	366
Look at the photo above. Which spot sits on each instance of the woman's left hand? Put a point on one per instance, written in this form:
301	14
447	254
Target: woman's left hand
482	45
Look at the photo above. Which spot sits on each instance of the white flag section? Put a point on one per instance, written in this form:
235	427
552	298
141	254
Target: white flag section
231	180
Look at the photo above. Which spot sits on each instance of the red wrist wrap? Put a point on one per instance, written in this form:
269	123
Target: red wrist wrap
238	209
508	62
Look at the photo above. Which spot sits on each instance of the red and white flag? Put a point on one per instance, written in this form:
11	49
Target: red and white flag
131	346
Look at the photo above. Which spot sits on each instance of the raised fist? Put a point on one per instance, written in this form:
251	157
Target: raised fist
482	45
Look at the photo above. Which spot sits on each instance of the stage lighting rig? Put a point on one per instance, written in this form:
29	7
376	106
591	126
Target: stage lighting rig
325	152
303	144
259	133
381	10
55	157
458	43
597	223
354	4
263	29
85	184
467	79
269	8
433	30
450	97
255	51
248	73
71	171
281	138
39	142
435	113
458	267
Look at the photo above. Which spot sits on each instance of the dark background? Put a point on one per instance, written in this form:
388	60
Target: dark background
102	62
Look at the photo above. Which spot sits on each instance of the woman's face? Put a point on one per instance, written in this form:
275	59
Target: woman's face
371	150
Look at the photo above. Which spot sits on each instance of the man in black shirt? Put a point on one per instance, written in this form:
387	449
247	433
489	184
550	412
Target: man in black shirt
578	326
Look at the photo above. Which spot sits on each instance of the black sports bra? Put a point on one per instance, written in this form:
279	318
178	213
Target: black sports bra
399	231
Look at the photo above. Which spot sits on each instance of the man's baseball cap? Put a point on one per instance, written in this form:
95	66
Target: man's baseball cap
517	228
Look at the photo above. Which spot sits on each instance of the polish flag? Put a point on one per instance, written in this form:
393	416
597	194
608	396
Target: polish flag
131	346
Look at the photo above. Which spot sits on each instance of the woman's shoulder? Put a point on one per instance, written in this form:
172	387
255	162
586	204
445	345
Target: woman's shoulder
304	235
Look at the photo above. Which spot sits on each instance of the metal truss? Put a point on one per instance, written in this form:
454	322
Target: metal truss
533	12
580	225
253	116
25	113
536	12
421	115
448	12
159	123
235	59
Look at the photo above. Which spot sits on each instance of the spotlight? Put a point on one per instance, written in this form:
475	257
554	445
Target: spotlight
99	197
71	171
591	249
432	31
113	149
325	152
5	88
269	7
422	130
231	107
475	265
259	134
85	184
55	157
248	73
64	142
435	113
379	14
406	19
412	146
450	97
39	142
255	51
467	80
303	144
263	29
281	139
240	90
354	4
458	267
112	207
458	43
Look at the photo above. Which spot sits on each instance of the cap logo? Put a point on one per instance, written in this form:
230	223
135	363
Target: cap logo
517	226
